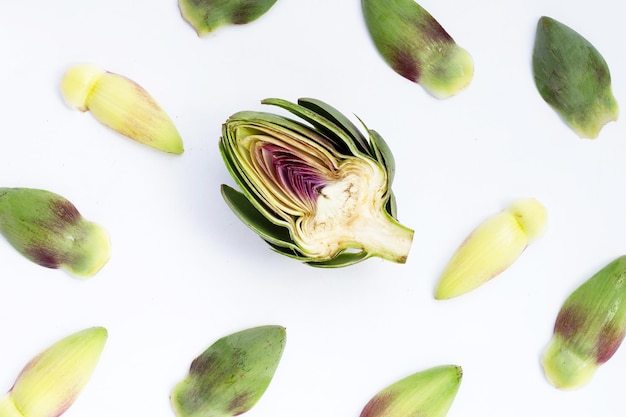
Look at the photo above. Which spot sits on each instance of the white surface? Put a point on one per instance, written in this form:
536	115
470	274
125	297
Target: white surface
185	272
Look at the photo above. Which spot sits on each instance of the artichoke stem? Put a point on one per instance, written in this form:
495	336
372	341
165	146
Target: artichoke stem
383	236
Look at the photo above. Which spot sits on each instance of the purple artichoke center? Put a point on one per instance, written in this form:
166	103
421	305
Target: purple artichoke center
293	174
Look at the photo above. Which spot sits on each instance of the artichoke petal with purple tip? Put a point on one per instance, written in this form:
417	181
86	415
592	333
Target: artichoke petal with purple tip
589	328
52	381
416	46
207	15
49	230
428	393
232	375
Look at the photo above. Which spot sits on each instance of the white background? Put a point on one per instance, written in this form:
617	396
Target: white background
185	271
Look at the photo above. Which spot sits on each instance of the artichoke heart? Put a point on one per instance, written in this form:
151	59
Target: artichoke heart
318	191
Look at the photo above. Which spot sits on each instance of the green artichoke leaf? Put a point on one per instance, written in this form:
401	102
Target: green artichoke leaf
48	230
342	260
252	217
589	328
573	78
382	153
339	119
339	144
327	127
391	206
417	47
231	375
240	178
292	253
207	15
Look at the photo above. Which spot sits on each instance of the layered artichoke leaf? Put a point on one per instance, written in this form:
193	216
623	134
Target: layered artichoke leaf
382	153
249	213
327	119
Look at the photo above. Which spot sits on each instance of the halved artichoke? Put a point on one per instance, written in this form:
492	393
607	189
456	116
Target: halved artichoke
314	189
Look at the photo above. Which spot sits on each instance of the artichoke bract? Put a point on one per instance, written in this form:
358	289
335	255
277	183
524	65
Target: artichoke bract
492	247
48	229
51	381
416	46
573	78
232	375
428	393
589	328
207	15
315	189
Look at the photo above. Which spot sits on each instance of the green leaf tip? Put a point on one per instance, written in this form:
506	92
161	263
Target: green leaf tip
47	229
428	393
573	78
589	328
205	16
417	47
51	381
230	376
